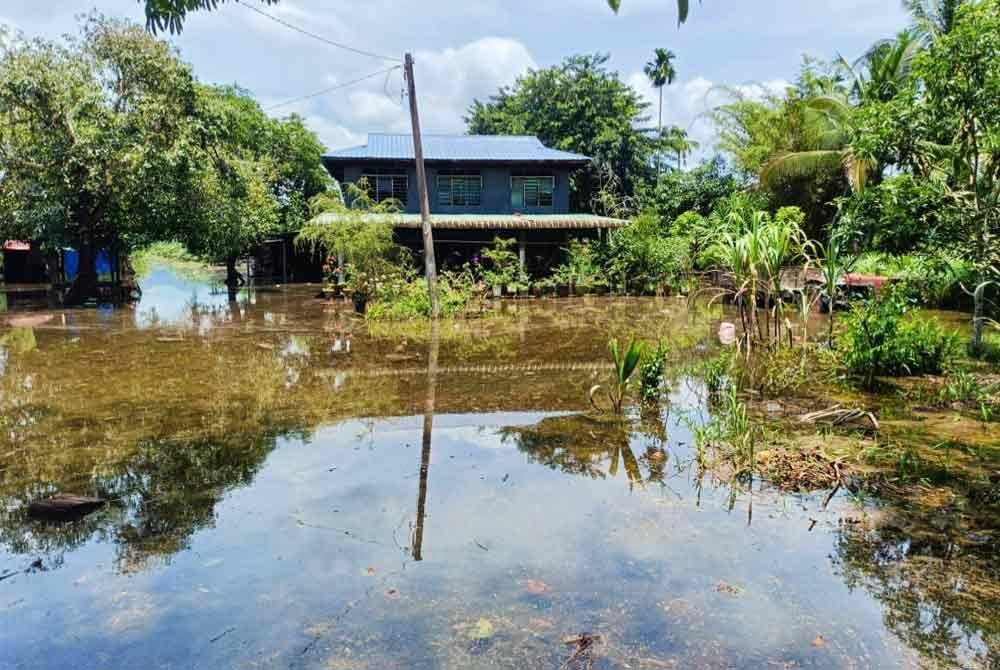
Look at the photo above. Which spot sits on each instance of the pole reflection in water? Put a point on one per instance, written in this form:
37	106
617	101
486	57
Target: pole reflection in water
425	450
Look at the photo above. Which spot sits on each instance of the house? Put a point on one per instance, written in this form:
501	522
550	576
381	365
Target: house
479	187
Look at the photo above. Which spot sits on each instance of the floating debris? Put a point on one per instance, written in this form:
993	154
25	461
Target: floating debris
64	507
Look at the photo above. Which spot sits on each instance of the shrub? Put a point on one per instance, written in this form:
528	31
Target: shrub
582	266
881	341
647	258
651	372
405	296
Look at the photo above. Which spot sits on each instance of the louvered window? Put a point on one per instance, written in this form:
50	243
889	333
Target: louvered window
460	189
382	187
531	191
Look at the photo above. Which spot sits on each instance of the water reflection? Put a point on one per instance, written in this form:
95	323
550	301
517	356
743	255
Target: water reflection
268	505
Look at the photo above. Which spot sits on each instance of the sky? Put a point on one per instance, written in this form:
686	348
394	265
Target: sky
466	49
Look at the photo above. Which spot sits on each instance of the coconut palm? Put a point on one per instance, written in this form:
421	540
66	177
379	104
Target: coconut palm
677	140
877	76
933	17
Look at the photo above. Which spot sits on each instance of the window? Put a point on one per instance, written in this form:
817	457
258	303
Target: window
383	185
531	191
459	189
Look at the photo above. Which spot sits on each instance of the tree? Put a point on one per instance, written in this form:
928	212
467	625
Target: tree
757	131
257	175
94	141
683	6
933	17
960	73
661	73
577	106
677	140
170	14
881	74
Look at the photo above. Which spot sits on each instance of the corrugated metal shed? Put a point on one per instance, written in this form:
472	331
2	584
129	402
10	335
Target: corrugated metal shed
477	148
491	221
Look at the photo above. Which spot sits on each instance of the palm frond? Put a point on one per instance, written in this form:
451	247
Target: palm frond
797	164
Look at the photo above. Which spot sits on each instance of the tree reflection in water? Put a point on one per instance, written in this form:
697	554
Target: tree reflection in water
936	573
580	444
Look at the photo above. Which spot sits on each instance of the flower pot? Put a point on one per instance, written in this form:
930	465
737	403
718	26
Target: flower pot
562	290
360	302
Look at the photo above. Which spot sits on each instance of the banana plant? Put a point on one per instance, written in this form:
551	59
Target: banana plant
626	362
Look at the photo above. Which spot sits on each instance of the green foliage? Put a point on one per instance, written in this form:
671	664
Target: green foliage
900	214
582	266
107	138
403	296
880	341
170	14
626	362
646	258
717	372
503	265
95	142
754	252
676	192
834	262
929	279
580	106
256	178
173	254
651	372
346	231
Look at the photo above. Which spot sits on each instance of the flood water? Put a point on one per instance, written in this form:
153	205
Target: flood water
290	487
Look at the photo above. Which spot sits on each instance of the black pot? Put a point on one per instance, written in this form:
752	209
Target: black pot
360	302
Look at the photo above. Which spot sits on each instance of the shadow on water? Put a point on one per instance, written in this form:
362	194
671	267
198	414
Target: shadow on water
289	487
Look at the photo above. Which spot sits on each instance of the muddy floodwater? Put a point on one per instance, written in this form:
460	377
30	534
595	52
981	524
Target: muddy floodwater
290	487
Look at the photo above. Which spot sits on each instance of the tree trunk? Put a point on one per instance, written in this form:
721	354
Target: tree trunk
977	319
233	278
659	131
84	286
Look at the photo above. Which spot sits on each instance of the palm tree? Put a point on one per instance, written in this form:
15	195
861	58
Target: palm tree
933	17
678	141
661	73
877	76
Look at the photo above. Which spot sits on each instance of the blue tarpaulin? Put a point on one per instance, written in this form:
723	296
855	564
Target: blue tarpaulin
102	264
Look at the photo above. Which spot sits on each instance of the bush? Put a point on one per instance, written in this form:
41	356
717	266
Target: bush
881	341
647	258
406	297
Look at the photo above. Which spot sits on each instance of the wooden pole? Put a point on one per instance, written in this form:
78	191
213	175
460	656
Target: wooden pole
430	265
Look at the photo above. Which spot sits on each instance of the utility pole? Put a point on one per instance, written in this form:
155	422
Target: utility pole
430	265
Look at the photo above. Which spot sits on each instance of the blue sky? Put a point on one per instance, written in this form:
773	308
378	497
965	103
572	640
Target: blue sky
466	49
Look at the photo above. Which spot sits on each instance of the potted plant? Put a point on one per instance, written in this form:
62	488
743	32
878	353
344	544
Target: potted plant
360	285
503	266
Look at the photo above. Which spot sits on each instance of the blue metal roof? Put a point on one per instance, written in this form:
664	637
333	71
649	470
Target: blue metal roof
480	148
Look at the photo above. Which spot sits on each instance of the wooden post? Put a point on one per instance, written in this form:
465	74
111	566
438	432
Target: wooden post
430	265
522	249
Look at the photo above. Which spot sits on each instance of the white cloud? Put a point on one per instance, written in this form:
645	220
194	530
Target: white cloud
688	104
447	82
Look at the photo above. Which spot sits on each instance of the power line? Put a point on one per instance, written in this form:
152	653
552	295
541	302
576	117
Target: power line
332	88
315	36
